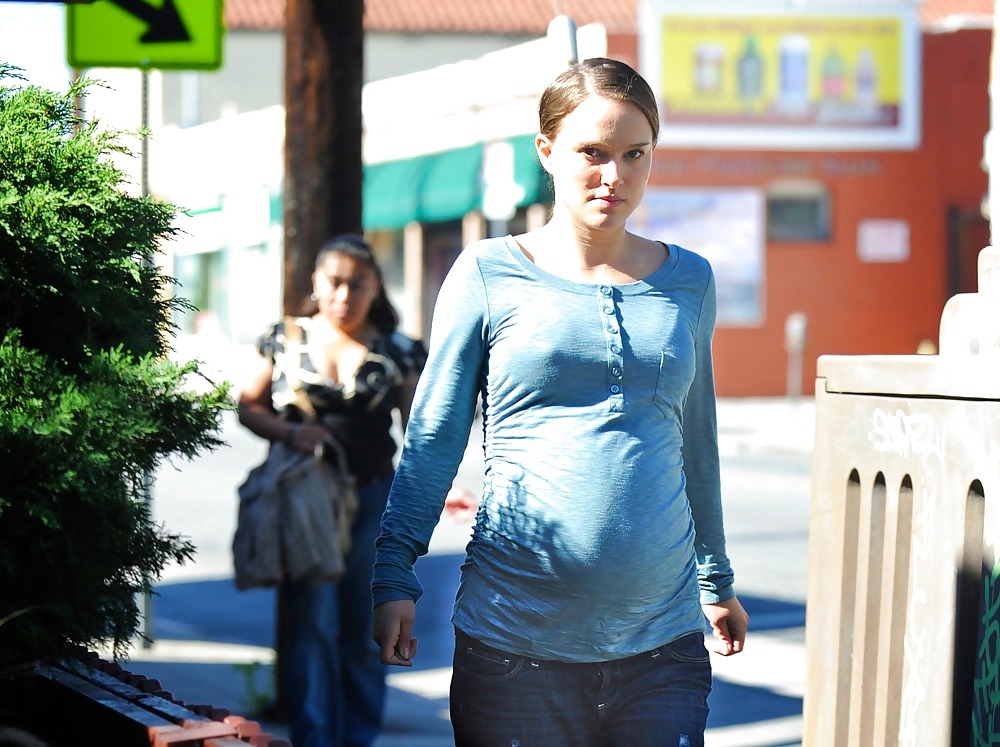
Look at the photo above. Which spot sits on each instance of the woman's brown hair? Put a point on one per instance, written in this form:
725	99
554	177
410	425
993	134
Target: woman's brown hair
598	76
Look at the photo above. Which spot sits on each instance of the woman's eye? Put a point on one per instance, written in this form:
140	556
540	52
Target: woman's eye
635	154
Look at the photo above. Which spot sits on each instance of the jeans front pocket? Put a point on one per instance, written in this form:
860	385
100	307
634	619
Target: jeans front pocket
687	648
475	659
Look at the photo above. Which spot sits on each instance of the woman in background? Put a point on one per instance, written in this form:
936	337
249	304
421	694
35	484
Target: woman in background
355	369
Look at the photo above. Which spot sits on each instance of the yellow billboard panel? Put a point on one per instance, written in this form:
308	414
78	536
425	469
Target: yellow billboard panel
812	75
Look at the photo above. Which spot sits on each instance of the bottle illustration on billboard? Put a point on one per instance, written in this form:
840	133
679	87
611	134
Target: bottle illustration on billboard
793	75
708	63
750	75
866	85
833	76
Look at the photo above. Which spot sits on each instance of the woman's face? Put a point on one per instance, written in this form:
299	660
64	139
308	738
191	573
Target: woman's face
345	289
599	161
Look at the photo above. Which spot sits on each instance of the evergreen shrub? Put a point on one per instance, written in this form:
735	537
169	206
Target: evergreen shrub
90	404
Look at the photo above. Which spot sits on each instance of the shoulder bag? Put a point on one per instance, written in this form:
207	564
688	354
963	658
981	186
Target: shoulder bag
295	510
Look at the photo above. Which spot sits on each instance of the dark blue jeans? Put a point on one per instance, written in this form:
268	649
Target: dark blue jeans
334	681
654	699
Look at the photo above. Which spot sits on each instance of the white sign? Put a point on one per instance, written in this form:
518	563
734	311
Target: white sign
882	240
501	193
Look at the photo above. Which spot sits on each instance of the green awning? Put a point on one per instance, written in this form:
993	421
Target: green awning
528	172
442	186
391	194
451	186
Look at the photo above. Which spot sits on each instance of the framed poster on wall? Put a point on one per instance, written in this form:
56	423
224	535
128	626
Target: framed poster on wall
816	74
724	225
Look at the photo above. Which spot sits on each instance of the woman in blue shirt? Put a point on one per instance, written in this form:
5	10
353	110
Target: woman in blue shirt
598	544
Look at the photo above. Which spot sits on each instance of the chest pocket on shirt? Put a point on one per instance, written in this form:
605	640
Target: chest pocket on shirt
673	381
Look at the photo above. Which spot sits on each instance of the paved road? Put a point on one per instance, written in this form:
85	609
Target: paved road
213	644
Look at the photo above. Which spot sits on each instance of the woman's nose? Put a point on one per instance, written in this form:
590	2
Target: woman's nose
610	174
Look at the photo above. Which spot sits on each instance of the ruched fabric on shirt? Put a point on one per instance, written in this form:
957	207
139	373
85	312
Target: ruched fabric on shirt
600	530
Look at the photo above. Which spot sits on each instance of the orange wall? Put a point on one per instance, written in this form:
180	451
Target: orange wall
855	307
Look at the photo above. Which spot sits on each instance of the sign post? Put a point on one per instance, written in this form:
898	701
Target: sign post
171	35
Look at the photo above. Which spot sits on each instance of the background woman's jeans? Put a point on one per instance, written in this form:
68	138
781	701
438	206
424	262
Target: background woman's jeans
334	681
655	699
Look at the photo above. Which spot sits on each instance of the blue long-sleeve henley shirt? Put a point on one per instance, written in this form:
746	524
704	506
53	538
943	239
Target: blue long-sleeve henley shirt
600	531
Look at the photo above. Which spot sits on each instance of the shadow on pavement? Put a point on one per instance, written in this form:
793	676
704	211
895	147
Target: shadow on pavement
213	611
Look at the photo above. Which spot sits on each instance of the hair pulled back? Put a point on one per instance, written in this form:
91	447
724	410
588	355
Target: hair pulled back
597	76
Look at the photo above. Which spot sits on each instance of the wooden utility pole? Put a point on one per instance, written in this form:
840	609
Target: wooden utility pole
324	69
324	75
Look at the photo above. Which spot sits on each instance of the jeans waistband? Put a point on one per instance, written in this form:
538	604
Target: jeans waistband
464	639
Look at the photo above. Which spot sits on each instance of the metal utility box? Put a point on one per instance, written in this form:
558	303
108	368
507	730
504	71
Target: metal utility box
902	621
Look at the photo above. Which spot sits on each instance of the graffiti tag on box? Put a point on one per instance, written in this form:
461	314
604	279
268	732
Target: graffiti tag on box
904	434
986	689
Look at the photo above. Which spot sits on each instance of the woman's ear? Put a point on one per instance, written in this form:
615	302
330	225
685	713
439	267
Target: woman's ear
543	146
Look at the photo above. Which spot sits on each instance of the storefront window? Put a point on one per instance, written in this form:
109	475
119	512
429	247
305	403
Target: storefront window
798	211
199	281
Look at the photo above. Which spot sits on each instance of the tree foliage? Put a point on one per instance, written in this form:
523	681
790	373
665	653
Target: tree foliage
89	402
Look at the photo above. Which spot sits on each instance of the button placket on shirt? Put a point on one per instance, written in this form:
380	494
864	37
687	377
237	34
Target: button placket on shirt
613	337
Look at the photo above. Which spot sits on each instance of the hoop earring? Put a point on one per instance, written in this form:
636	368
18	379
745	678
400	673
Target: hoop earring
313	297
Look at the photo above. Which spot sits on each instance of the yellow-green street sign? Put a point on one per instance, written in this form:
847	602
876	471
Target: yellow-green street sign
162	34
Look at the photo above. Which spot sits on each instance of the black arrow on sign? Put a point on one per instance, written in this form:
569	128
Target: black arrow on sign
165	24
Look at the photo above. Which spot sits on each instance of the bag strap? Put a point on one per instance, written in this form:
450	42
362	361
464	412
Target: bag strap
339	454
293	351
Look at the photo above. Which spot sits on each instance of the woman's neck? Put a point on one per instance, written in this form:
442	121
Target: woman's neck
327	331
594	247
590	256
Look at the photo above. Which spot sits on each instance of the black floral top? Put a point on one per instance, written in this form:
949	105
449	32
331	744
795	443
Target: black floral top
357	412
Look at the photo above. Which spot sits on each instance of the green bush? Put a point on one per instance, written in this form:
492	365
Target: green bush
89	402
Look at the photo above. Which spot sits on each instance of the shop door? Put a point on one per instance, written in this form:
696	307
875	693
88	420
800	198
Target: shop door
968	233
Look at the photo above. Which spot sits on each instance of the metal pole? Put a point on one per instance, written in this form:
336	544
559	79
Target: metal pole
145	134
147	478
795	344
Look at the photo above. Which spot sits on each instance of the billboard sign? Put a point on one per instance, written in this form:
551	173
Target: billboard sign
814	75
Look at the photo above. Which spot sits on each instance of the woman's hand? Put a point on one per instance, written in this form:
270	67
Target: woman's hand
729	625
306	438
393	632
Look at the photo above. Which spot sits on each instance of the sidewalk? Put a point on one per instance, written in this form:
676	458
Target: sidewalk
776	425
213	644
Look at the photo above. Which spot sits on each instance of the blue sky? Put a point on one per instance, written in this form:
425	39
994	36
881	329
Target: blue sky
33	37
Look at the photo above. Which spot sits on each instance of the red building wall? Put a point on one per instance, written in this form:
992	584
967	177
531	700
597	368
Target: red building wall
854	307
